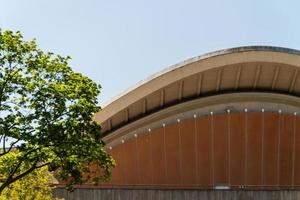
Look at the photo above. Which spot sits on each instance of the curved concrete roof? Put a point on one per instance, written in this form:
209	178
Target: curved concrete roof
252	68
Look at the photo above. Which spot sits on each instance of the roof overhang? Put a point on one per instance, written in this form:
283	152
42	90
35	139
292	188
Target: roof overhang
251	69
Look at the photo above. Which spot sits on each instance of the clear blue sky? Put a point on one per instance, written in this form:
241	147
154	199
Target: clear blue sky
120	42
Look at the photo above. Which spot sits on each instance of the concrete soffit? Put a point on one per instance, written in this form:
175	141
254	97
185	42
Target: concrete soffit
268	74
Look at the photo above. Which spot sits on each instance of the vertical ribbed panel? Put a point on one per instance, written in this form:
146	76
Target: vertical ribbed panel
220	149
158	156
271	130
254	150
172	155
240	150
237	153
204	151
297	152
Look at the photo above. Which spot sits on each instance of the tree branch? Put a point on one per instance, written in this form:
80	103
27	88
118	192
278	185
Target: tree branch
12	173
10	179
10	148
42	165
3	148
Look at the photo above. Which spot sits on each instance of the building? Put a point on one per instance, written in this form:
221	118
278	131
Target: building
224	125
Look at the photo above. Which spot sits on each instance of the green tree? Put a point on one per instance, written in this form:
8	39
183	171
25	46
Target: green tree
34	186
46	114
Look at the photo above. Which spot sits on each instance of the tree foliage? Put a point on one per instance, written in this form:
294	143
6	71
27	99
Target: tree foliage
46	114
34	186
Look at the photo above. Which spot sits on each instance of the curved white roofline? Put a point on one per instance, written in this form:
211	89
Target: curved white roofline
199	64
201	57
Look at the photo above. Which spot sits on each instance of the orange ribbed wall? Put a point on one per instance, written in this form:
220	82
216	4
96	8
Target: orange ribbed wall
246	149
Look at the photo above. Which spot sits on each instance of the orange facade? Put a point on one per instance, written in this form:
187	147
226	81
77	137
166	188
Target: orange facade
239	150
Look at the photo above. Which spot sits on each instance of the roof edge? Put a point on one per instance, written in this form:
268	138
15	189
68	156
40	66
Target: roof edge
202	57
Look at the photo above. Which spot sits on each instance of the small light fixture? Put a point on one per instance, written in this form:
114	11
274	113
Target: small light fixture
228	110
222	187
195	116
211	112
295	113
110	148
123	141
246	110
135	135
163	124
262	110
178	120
279	111
149	129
